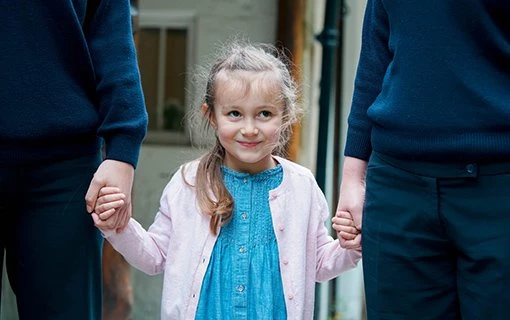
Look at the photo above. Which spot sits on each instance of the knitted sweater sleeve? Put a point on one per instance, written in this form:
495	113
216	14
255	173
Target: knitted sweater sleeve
374	60
119	94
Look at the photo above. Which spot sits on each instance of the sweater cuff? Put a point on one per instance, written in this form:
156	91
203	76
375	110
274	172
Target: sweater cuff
123	148
358	145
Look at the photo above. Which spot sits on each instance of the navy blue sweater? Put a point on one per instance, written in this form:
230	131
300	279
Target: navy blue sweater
70	81
433	81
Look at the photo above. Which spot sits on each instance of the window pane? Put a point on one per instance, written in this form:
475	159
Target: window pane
148	49
175	80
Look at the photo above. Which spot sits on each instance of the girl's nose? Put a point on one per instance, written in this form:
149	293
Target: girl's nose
249	129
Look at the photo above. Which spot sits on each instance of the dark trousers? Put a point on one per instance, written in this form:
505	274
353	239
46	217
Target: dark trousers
436	240
52	249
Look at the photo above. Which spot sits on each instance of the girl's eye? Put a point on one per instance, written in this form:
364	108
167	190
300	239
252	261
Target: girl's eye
234	114
265	114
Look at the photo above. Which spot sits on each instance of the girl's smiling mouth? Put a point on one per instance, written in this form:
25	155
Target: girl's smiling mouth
248	144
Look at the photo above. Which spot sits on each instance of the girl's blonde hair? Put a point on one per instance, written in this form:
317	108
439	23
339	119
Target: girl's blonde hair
212	194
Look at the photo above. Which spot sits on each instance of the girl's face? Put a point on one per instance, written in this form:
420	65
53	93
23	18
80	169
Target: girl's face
247	117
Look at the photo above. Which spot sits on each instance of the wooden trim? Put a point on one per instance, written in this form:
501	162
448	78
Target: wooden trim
290	37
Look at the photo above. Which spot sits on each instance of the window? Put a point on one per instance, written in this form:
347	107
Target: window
164	56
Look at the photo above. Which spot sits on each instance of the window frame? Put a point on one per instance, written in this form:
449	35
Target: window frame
170	20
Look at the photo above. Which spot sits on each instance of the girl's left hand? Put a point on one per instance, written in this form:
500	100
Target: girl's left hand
346	230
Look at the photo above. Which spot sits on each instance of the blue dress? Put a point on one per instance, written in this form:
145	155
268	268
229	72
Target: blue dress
243	278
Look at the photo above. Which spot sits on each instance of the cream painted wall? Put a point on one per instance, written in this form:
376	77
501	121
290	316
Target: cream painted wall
219	20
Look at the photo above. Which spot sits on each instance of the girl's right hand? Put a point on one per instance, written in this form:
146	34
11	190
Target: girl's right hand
346	230
109	200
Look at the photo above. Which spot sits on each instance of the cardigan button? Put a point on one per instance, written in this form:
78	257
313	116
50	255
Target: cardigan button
285	262
291	296
281	227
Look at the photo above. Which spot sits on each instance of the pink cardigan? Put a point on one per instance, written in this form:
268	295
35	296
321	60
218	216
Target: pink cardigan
180	243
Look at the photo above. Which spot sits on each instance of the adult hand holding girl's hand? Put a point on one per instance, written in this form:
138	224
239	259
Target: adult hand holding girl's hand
113	173
110	199
352	197
346	231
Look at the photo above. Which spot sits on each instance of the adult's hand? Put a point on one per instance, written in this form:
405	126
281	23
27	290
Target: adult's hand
352	196
113	173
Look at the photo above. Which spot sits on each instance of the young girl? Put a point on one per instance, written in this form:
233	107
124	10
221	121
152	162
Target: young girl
240	232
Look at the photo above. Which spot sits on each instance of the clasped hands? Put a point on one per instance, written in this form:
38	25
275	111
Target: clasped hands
110	192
